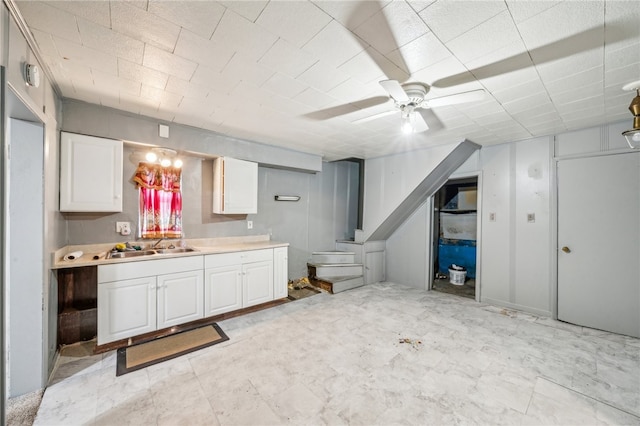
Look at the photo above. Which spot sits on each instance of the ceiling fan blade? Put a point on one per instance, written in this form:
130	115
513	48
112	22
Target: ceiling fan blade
580	42
395	90
335	111
431	120
458	98
389	69
375	116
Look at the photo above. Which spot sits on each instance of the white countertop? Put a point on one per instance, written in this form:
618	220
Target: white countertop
95	254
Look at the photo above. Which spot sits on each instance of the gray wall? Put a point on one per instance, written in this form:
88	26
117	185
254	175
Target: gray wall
96	120
323	214
40	105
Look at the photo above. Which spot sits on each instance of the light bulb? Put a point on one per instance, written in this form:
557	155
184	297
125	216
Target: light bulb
407	125
636	137
151	157
165	162
178	163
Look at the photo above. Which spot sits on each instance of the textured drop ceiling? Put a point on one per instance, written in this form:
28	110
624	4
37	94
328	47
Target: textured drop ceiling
280	72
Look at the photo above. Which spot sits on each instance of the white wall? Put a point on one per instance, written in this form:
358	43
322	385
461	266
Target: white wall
390	179
517	258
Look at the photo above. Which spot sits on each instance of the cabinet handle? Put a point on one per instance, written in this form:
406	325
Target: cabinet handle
152	287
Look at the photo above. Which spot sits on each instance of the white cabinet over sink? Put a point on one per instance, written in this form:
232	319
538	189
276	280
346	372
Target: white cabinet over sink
90	173
235	186
140	297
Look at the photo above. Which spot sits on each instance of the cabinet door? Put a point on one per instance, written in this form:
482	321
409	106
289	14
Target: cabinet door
235	186
374	267
257	283
90	174
280	272
180	298
222	289
126	308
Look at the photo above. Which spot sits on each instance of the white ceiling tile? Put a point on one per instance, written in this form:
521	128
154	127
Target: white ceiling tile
351	14
440	70
111	42
624	75
536	100
314	98
393	27
297	22
244	68
45	43
199	17
450	19
420	53
186	88
420	5
144	26
163	61
523	10
249	9
241	35
489	36
563	20
557	69
287	59
136	72
209	53
621	20
514	93
323	77
353	90
623	57
578	81
214	80
365	67
334	44
77	54
115	83
49	19
284	85
97	12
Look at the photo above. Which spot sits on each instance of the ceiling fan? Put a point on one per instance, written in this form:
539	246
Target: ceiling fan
410	101
410	98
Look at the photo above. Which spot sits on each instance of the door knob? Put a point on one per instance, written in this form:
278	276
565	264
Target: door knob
566	249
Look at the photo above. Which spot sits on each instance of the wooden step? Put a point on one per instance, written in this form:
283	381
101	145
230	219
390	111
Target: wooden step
337	284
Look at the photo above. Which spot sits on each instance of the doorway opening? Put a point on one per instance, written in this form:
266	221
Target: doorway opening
455	236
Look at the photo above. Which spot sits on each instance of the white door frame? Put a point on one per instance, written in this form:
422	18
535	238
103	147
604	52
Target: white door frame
431	219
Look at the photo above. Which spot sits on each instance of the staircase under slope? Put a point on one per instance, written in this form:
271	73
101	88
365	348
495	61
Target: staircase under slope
335	271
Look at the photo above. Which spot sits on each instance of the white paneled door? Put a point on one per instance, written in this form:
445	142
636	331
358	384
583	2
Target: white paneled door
599	242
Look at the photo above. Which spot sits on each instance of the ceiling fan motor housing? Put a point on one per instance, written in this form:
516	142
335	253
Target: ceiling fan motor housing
416	93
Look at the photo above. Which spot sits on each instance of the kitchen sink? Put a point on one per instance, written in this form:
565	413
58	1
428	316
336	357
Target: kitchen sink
174	250
127	254
147	252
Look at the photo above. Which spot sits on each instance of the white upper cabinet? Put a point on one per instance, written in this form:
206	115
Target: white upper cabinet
235	186
90	174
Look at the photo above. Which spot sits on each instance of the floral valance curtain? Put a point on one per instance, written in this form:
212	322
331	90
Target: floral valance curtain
160	208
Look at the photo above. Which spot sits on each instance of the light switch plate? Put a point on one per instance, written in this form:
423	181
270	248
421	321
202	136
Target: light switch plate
531	217
492	217
249	224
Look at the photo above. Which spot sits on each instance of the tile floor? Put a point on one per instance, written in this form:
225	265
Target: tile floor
337	359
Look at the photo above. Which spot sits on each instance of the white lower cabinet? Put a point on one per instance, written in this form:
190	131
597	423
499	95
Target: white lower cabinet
222	290
180	298
280	272
238	280
139	297
143	296
126	308
257	282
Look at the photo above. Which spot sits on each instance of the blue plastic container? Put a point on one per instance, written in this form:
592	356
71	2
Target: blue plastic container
458	252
